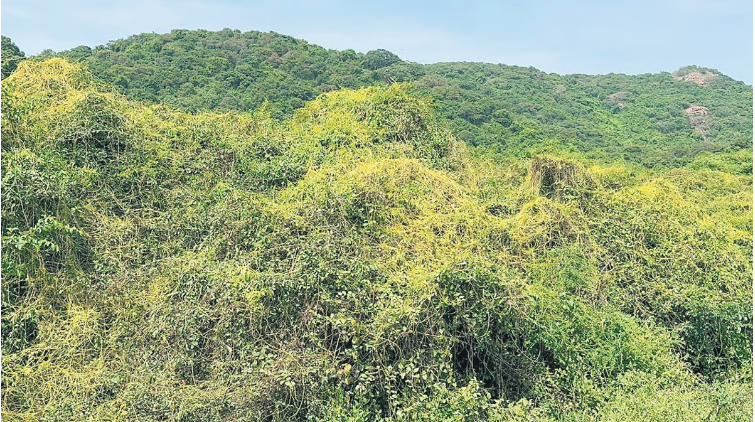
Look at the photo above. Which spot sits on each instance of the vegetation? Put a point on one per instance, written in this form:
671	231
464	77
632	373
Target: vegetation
521	111
355	262
640	119
226	70
11	56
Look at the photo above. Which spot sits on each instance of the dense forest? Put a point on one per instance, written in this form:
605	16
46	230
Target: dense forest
658	121
217	226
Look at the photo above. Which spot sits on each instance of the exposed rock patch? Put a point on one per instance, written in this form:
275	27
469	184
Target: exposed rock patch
700	78
698	117
620	98
697	110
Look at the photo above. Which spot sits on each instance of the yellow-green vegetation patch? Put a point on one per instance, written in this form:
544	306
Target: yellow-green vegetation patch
354	263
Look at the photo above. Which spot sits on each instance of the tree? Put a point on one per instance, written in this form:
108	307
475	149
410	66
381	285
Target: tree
378	59
11	55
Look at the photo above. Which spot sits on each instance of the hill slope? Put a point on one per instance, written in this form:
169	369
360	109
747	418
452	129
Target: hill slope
659	121
354	262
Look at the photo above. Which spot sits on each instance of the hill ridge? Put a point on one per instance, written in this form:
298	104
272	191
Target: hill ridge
516	109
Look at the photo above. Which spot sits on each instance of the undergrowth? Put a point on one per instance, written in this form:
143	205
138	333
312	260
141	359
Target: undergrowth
354	263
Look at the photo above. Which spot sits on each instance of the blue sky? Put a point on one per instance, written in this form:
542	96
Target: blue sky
637	36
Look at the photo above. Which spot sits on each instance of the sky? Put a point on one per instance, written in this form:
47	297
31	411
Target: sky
592	37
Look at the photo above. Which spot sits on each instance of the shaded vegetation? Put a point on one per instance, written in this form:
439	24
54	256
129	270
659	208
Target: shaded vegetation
356	262
11	56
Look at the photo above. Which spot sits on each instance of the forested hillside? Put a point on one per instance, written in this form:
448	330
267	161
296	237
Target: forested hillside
203	226
351	260
658	121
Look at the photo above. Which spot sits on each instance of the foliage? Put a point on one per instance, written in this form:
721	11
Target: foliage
228	69
354	262
609	117
11	55
642	119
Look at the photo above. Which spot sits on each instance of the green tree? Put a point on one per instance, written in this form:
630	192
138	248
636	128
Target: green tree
11	56
378	59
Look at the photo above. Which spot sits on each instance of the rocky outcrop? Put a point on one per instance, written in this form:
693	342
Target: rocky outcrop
698	117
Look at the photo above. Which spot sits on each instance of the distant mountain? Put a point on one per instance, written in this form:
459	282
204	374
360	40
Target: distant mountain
657	120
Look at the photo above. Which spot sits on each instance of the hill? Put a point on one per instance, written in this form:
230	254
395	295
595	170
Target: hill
355	262
657	121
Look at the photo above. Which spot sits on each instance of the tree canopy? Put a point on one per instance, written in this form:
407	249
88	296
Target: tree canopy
11	55
640	119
